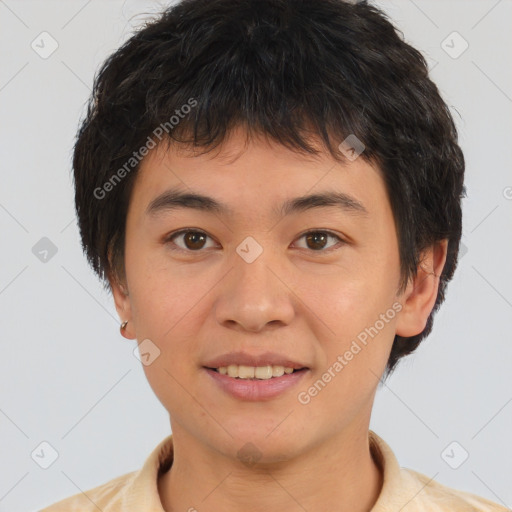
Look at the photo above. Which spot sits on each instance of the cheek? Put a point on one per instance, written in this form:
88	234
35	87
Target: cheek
353	360
162	295
356	304
165	305
348	302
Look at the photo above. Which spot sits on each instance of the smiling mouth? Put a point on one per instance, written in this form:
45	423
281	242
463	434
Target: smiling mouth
244	372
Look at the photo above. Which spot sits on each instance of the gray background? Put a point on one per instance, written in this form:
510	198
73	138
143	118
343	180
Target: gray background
68	378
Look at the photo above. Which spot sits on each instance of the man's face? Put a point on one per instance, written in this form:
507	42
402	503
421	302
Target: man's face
254	285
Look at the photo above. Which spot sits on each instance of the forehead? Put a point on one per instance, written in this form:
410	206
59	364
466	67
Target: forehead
254	174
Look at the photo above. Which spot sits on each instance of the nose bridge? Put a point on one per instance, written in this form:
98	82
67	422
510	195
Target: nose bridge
252	295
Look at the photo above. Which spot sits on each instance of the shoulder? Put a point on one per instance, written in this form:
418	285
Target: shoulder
411	491
137	490
106	497
435	497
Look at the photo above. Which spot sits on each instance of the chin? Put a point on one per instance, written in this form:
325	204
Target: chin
262	453
261	442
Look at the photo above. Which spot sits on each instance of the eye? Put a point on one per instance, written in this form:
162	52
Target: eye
193	240
317	240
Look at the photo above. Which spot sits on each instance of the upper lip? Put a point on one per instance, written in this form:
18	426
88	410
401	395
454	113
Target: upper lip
242	358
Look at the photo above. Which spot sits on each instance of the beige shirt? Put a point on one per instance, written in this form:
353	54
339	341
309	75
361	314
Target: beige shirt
403	489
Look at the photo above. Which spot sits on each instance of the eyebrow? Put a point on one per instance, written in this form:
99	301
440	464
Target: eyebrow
175	198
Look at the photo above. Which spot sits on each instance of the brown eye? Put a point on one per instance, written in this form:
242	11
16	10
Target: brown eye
191	240
318	240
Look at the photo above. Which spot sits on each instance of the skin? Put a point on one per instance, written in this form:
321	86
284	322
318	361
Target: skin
305	303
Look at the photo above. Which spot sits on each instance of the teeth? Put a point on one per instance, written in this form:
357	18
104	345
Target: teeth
262	372
246	372
253	372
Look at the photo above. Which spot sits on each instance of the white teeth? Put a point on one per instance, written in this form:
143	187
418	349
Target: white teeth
277	371
252	372
263	372
245	372
233	370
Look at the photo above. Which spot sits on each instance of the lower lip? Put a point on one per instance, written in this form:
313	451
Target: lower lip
256	389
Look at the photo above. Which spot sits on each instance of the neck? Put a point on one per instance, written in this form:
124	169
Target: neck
338	475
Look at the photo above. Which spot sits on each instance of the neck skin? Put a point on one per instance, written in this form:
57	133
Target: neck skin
338	475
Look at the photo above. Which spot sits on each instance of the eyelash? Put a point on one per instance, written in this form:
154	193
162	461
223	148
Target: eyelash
172	236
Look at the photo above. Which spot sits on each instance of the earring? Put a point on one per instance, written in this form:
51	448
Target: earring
123	326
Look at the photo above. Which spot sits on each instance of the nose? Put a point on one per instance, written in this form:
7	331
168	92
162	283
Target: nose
255	296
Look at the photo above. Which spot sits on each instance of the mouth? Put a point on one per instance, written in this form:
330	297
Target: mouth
248	378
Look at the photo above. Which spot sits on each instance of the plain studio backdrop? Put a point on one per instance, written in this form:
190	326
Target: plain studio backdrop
74	398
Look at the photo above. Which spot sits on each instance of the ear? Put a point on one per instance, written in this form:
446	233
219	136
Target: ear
123	306
420	295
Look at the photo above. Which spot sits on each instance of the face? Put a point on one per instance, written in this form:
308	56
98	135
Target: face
265	281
